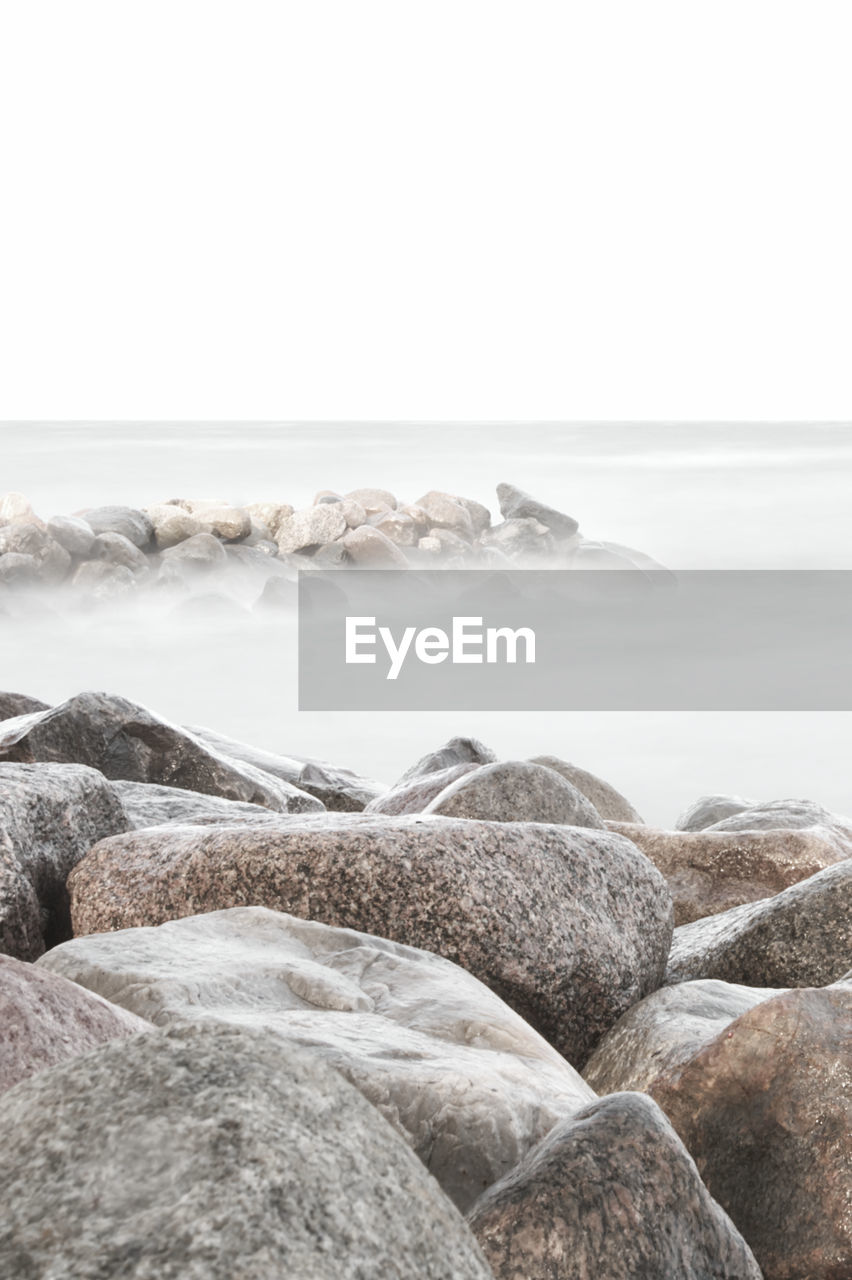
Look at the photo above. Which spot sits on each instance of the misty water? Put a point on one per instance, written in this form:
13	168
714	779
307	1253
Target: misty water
731	496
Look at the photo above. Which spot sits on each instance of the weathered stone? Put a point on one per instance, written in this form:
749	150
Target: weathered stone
25	539
430	546
569	926
402	1025
273	514
127	741
515	791
50	815
610	804
707	810
18	570
480	516
310	527
225	522
73	534
172	525
611	1192
456	751
100	580
520	537
400	528
13	507
200	551
517	505
452	544
333	555
127	521
416	795
801	937
445	512
353	513
373	549
114	548
788	815
18	704
215	1152
47	1019
418	515
710	871
326	495
373	500
147	804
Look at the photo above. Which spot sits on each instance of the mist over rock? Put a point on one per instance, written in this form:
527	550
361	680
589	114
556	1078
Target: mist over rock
516	504
127	521
707	810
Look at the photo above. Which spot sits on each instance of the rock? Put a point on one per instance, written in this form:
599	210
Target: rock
788	815
127	521
402	1025
73	534
517	505
50	815
609	803
451	543
430	546
707	810
326	495
400	528
519	537
445	512
569	926
128	742
25	539
47	1019
200	551
422	522
611	1192
801	937
353	513
370	548
710	871
148	805
515	791
338	789
102	581
272	514
416	795
333	555
373	500
172	525
311	527
14	507
18	570
18	704
215	1152
114	548
612	555
225	522
480	516
456	751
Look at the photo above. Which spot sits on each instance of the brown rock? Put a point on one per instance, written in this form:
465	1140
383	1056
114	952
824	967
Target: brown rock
26	539
515	791
18	704
416	795
400	528
373	500
311	527
609	803
445	512
371	548
272	514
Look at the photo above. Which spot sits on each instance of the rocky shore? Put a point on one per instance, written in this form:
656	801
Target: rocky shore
263	1016
182	546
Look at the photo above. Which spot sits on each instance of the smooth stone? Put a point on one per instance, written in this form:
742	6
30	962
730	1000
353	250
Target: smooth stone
399	527
707	810
480	516
172	525
226	522
515	791
52	560
101	581
18	704
129	522
73	534
373	500
788	815
402	1025
215	1152
445	512
272	514
611	1192
421	521
50	816
569	926
372	549
47	1019
148	804
200	551
128	742
326	495
456	751
515	504
713	870
416	795
333	555
801	937
310	527
610	804
114	548
452	544
17	569
353	513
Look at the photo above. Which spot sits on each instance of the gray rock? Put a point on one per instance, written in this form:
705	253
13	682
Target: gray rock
569	926
515	791
802	937
612	1193
480	516
517	505
25	539
707	810
369	547
271	514
73	534
225	522
787	815
148	805
172	525
128	742
47	1019
114	548
333	555
18	570
373	500
402	1025
416	795
608	802
212	1152
520	537
456	751
446	512
311	527
127	521
50	816
18	704
201	551
100	580
397	526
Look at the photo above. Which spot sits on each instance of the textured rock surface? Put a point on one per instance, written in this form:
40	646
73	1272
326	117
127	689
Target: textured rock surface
515	791
568	926
611	1193
311	527
148	805
212	1153
707	810
72	533
18	704
414	796
373	549
404	1026
713	870
50	815
127	521
610	804
788	815
456	751
126	741
47	1019
517	505
802	937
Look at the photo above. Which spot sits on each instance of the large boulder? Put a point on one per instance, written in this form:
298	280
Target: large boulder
707	810
788	815
148	805
311	527
610	804
456	751
515	791
50	815
801	937
712	870
446	512
403	1025
127	741
610	1193
215	1152
517	505
51	560
569	926
72	533
47	1019
127	521
414	796
18	704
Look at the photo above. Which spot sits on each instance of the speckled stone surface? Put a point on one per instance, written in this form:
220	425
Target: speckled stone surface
569	926
610	1193
414	796
610	804
46	1019
787	815
404	1026
50	815
127	741
18	704
713	870
801	937
214	1153
515	791
707	810
455	751
149	805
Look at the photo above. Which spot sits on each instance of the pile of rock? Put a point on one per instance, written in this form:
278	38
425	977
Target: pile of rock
177	545
264	1016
